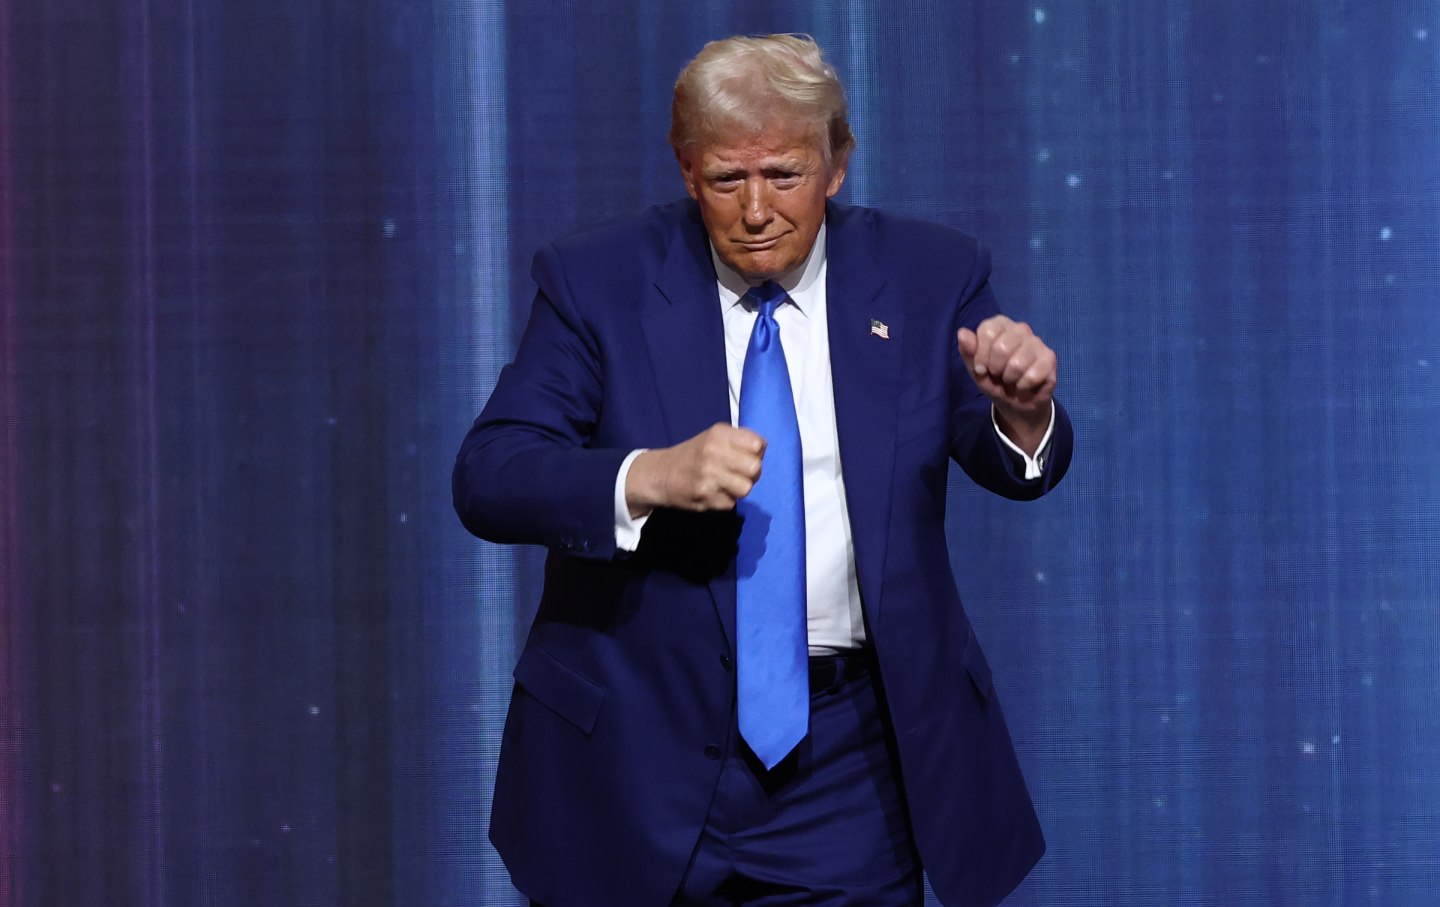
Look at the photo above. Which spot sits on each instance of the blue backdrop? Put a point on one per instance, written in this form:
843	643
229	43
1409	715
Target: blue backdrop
260	263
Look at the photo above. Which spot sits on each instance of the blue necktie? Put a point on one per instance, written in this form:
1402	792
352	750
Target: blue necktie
772	656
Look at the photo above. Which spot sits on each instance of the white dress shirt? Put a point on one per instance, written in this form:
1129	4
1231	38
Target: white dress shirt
833	616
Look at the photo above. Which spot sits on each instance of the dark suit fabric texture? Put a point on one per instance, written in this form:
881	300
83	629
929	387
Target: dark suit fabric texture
625	688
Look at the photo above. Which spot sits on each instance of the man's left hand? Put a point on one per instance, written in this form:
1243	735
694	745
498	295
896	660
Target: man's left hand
1017	371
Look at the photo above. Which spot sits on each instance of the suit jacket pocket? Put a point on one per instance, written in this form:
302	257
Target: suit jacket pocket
979	668
560	688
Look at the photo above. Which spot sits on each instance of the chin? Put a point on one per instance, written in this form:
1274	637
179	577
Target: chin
757	274
763	267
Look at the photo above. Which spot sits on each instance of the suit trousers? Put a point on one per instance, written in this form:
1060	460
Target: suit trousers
826	827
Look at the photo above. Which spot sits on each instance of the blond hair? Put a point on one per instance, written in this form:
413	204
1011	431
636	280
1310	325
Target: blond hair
747	83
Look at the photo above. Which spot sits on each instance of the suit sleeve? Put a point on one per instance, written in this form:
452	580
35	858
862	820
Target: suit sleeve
974	442
526	472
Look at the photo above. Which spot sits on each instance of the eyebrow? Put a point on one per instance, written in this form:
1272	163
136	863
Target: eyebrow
789	165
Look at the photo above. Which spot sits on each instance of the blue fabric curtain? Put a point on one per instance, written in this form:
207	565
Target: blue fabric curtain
260	263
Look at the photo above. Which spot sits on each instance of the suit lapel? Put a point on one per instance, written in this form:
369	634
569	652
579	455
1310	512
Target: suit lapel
685	336
865	370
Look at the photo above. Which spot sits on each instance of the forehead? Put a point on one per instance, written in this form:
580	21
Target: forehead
776	140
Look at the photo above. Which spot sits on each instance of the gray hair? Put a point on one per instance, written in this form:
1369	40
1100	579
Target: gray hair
745	82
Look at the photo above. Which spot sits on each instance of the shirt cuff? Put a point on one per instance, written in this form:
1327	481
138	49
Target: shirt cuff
1034	466
627	528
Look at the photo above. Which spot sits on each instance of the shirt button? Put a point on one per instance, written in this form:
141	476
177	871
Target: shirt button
712	751
725	662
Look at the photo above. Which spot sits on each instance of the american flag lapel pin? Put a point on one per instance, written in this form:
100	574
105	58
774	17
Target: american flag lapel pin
880	329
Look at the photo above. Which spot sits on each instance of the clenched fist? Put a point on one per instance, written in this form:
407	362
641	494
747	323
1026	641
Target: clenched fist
711	471
1017	371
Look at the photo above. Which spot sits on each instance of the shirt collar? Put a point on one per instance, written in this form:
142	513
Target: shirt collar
799	282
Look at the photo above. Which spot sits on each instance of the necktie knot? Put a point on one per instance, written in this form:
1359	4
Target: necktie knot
767	297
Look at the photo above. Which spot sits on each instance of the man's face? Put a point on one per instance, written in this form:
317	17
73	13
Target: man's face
762	196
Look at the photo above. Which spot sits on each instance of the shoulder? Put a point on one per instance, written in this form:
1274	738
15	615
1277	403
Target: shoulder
614	263
898	238
624	244
900	244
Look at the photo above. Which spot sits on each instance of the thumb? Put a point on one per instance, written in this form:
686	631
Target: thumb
969	343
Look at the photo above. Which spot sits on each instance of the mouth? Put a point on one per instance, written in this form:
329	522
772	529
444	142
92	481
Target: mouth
758	246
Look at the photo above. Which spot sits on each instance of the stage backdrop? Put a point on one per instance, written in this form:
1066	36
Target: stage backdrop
259	265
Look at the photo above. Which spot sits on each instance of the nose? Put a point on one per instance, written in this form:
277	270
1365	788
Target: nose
757	202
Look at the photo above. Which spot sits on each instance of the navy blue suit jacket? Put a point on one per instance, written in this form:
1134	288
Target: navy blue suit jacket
624	691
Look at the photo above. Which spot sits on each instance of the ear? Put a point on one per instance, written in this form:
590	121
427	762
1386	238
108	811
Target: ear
687	172
837	177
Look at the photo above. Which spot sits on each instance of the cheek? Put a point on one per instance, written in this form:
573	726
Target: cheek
808	212
719	209
715	215
806	225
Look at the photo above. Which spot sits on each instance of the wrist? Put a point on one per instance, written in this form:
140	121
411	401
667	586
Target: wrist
640	492
1026	428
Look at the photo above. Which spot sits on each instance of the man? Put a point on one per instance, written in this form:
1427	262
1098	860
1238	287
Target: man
729	516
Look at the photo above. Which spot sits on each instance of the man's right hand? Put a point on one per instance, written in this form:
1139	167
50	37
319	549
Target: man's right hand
711	471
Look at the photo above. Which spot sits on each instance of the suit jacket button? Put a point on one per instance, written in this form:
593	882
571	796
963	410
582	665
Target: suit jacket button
725	661
712	751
